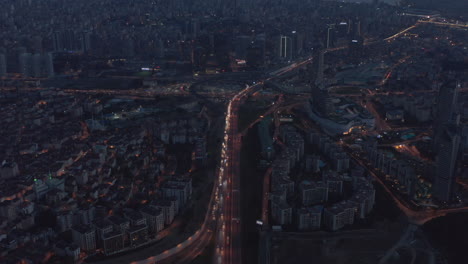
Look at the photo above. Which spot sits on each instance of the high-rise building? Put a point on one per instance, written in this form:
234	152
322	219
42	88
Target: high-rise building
70	41
281	213
320	68
447	101
312	163
242	44
168	209
67	40
85	41
313	192
181	189
85	237
357	29
285	48
102	226
297	41
3	66
195	28
36	65
339	215
25	64
64	221
448	144
322	102
57	41
112	242
256	53
330	36
37	44
49	64
154	219
309	218
160	48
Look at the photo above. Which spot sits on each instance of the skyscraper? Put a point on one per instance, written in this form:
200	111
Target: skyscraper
285	48
446	105
3	69
449	141
329	39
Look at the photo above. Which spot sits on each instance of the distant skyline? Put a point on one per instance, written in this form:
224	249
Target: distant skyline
391	2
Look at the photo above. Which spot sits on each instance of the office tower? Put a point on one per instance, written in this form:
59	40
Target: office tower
449	141
3	69
285	49
447	100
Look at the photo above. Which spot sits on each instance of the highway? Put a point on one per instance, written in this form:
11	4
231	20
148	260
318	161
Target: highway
228	242
447	24
400	33
223	215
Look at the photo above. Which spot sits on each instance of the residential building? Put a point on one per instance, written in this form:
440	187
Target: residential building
85	237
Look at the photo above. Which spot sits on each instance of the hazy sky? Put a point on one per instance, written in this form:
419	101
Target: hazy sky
367	1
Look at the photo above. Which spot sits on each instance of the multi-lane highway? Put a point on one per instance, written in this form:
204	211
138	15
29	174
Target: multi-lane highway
228	242
223	215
